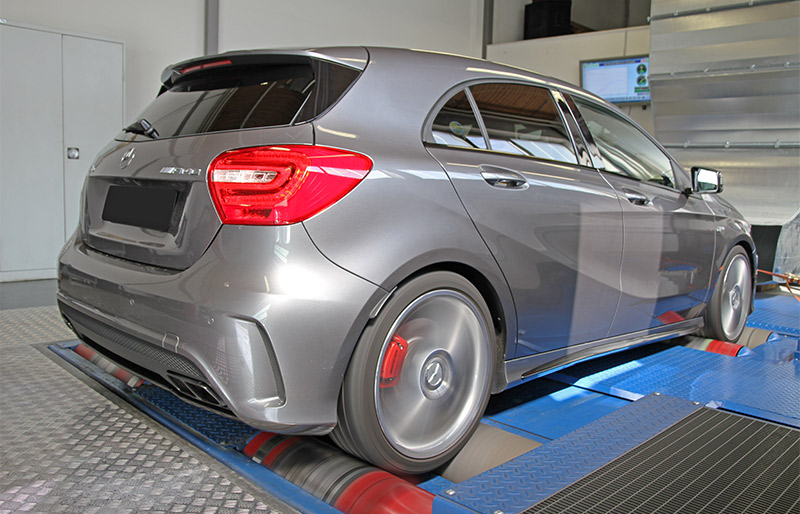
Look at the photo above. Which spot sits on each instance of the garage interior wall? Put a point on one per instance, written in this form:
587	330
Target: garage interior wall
454	26
155	34
726	94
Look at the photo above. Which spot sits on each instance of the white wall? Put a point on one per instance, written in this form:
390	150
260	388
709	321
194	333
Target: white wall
444	25
156	33
560	56
508	21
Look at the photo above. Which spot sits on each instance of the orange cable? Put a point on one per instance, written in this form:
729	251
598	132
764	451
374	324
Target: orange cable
788	280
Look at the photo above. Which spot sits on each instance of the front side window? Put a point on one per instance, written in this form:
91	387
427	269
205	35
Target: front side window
523	120
456	125
623	148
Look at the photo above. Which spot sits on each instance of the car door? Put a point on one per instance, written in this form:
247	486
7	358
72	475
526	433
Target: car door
553	225
668	246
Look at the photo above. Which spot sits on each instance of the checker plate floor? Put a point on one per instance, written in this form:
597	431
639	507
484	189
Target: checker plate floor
67	448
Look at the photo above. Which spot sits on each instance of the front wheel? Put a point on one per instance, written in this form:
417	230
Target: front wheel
418	381
727	312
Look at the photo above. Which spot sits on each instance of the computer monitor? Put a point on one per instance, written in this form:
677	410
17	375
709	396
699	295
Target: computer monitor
618	80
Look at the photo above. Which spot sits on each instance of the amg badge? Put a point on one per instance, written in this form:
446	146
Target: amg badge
169	170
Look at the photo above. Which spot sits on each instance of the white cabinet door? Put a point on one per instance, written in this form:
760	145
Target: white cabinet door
56	92
92	111
31	155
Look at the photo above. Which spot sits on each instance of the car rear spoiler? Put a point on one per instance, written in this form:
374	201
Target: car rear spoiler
352	57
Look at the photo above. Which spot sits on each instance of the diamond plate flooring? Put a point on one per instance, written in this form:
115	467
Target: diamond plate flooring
67	448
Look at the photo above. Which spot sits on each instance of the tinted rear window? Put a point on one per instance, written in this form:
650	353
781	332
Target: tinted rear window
245	97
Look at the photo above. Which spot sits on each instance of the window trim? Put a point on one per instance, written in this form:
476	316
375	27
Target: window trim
477	113
582	150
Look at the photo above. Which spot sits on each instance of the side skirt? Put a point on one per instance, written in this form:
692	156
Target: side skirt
542	363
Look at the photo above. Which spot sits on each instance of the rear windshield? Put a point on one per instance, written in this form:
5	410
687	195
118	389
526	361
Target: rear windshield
245	97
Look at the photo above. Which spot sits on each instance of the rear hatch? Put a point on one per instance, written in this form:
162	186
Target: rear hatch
146	197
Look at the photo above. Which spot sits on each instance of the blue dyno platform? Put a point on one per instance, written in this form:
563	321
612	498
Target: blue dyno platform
764	385
776	313
748	385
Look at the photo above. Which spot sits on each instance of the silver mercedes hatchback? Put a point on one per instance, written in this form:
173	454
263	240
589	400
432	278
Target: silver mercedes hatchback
368	242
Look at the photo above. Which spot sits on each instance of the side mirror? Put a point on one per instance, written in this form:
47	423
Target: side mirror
705	180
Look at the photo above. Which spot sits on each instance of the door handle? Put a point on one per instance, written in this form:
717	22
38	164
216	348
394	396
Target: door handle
635	197
503	178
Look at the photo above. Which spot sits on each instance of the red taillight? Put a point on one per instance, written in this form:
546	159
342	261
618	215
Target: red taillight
279	185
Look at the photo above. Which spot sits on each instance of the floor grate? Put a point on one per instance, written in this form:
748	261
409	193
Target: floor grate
710	462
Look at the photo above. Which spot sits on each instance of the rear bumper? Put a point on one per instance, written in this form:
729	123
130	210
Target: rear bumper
261	326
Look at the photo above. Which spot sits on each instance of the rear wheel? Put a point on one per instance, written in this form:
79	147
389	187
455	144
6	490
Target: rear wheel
418	381
729	307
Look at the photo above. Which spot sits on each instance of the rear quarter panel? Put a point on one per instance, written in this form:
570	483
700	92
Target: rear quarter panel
405	216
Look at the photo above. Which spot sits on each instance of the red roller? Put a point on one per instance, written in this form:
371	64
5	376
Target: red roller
350	485
281	447
126	376
379	492
724	348
256	443
85	352
108	366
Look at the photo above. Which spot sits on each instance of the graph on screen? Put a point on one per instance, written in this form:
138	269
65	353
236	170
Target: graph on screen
620	80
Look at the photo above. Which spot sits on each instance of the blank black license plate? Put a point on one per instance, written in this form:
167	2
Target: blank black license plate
146	207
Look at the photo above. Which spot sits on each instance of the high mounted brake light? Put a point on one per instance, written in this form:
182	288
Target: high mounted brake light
196	67
280	185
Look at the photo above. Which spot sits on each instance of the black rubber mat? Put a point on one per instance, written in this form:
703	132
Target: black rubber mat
710	462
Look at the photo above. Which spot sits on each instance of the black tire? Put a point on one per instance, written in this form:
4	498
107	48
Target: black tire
727	311
441	327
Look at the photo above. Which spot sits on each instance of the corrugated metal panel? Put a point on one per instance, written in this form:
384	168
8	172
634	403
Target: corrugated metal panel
664	8
725	80
763	184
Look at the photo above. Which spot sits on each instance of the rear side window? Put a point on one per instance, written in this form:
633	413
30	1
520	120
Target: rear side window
456	125
331	82
246	97
523	120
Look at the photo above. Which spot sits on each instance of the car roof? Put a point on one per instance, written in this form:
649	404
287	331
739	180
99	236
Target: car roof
474	67
461	68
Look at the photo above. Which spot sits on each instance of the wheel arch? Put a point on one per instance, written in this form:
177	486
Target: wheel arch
734	232
749	248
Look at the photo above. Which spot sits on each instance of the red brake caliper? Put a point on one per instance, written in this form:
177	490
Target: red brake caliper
393	361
